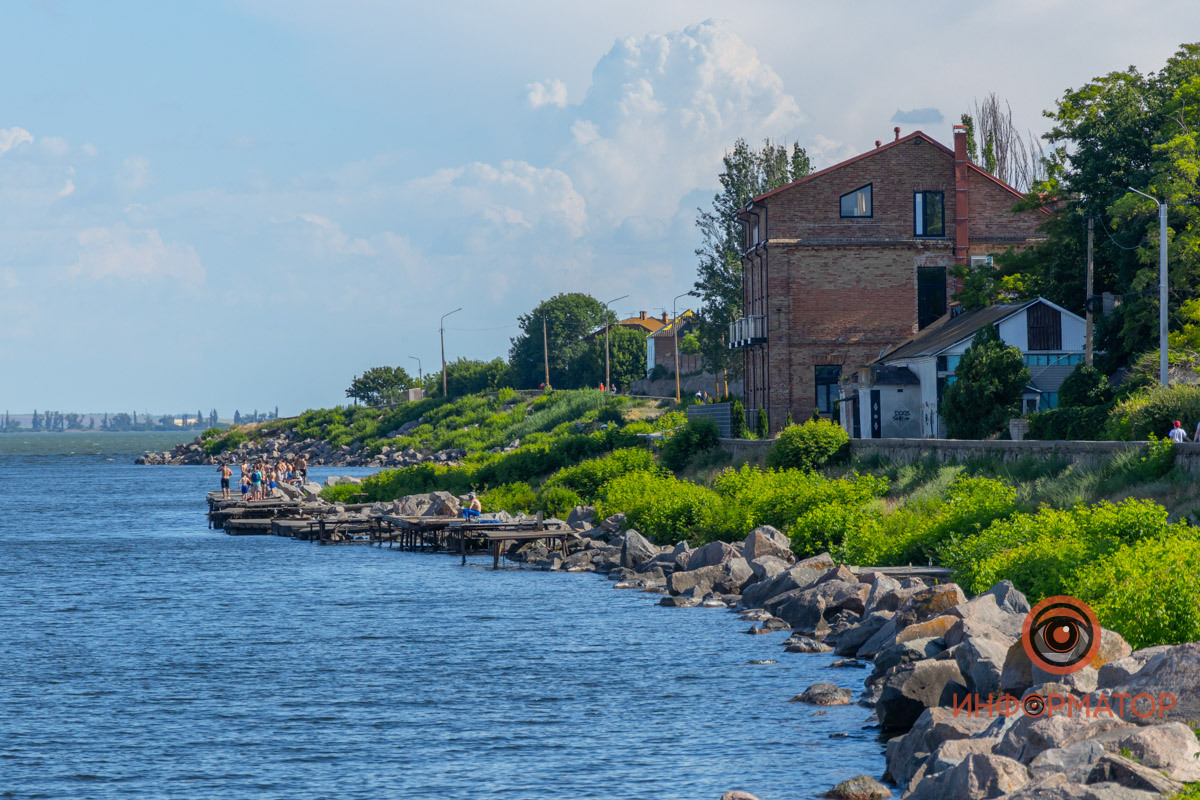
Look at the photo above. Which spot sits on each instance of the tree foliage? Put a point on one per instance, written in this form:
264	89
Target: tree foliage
987	392
570	318
1084	387
747	173
627	358
470	376
380	385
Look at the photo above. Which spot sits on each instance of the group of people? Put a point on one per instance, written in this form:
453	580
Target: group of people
1177	434
259	480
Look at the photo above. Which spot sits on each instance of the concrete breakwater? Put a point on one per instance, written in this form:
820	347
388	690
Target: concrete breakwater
937	664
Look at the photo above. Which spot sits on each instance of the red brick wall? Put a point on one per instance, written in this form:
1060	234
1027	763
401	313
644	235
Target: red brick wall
991	214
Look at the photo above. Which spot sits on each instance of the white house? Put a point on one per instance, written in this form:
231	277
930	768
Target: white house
898	395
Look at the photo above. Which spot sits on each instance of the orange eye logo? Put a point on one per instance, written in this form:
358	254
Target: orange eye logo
1061	635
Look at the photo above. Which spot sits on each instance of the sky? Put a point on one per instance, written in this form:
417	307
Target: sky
245	204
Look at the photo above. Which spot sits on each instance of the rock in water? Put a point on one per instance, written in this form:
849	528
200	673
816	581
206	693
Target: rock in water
824	694
738	794
863	787
636	549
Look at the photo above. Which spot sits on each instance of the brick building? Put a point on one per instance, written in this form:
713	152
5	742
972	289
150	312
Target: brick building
849	261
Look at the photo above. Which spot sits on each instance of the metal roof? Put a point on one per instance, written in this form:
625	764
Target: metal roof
948	331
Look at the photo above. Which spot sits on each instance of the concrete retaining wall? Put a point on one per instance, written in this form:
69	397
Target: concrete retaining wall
1187	455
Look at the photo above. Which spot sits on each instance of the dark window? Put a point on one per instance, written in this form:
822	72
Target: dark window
827	388
941	364
1045	327
929	214
931	294
857	203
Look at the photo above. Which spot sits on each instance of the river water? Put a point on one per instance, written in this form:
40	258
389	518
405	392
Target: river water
145	656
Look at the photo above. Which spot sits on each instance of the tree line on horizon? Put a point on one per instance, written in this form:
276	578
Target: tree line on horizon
121	422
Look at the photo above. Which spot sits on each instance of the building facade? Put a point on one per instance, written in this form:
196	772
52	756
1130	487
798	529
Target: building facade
900	394
848	262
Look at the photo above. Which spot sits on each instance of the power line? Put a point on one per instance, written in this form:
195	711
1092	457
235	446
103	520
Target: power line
1104	228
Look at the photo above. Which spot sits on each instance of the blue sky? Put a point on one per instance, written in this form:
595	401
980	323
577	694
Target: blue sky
235	205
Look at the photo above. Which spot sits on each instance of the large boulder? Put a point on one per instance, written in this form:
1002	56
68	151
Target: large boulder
882	639
1002	607
927	603
879	587
766	568
909	689
680	582
981	662
977	777
862	787
798	576
582	517
443	504
636	549
806	609
712	554
1128	773
1176	671
906	653
767	541
932	727
824	694
849	642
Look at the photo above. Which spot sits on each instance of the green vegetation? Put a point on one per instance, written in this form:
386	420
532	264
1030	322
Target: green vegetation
987	393
811	445
697	437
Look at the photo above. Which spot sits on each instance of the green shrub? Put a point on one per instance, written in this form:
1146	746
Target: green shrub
698	436
809	446
342	493
211	433
1085	387
737	416
229	441
826	527
1149	591
586	478
511	497
987	393
762	428
1154	412
1041	552
1069	424
613	411
556	501
506	394
667	509
780	497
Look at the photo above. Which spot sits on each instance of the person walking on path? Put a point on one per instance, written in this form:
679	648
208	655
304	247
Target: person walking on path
1176	433
226	473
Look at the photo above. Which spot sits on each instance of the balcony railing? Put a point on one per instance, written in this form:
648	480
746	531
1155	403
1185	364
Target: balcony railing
748	330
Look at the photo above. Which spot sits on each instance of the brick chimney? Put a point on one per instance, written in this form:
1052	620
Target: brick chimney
878	143
665	318
897	130
643	315
962	213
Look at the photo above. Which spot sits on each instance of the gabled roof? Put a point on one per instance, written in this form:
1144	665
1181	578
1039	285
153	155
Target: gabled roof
668	330
948	331
875	151
648	324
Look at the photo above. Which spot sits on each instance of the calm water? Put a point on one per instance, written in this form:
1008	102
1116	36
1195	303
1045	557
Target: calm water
145	656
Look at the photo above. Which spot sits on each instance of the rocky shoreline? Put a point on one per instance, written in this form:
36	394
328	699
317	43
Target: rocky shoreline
926	648
290	446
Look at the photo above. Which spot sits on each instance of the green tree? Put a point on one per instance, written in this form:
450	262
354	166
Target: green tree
987	393
569	318
747	173
470	376
1084	387
627	358
380	385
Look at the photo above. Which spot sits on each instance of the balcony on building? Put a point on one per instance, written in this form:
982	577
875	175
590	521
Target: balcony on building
748	330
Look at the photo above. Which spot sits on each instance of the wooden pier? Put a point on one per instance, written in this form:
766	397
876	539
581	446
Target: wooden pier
317	522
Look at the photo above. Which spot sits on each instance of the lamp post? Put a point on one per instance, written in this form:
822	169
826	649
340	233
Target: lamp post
675	335
420	377
442	333
1162	286
607	379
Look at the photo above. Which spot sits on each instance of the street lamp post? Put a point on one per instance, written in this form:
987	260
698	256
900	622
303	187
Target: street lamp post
1162	286
607	377
675	335
420	376
442	333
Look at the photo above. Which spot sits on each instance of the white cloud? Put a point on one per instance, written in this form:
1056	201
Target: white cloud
127	253
11	137
135	174
55	146
328	239
67	189
549	93
89	150
510	200
661	112
826	152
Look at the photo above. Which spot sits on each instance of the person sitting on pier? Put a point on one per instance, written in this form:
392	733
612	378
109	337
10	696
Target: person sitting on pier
226	473
474	509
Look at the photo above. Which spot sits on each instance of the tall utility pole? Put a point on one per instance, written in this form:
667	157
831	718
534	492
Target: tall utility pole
442	333
1088	296
546	351
420	377
607	377
1162	287
675	336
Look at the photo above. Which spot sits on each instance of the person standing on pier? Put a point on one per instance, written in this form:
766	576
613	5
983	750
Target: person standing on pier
226	473
302	468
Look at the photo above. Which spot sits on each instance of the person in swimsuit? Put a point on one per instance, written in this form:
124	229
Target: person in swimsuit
226	473
245	484
302	468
